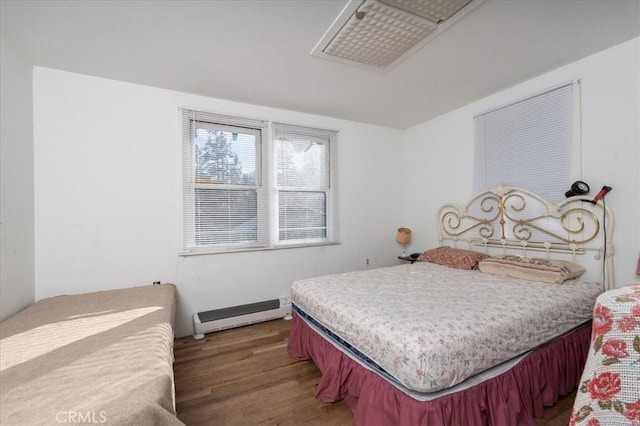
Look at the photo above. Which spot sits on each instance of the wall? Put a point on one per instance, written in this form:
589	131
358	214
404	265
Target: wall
439	152
16	192
108	197
107	184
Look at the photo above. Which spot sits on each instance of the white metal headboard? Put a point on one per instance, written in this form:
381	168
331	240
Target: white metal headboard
509	219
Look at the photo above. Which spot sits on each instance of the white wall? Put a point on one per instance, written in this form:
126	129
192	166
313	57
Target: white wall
108	197
439	152
107	183
16	178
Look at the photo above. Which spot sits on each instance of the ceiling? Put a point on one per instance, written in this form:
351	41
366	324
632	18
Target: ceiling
259	52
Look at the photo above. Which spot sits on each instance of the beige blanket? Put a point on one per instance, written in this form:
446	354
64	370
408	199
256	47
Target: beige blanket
97	358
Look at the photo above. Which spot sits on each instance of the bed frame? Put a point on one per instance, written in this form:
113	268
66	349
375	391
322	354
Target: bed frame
504	220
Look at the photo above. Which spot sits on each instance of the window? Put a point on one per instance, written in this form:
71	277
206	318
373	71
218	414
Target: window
303	183
235	197
527	143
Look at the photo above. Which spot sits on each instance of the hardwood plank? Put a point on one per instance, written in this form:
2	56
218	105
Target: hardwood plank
245	376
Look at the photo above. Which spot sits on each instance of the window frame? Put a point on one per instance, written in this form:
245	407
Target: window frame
265	185
573	167
257	186
568	94
328	138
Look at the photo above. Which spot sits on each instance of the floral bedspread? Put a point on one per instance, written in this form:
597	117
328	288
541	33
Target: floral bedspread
431	327
609	392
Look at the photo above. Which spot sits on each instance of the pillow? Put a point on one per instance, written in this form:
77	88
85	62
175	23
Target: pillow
453	257
532	269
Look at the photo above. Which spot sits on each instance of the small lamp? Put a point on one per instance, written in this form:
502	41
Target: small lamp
403	236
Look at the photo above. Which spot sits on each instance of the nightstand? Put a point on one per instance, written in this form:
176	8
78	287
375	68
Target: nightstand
408	259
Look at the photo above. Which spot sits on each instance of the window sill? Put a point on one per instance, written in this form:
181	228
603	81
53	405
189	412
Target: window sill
252	249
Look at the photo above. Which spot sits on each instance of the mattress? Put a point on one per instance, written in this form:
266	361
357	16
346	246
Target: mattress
430	327
103	357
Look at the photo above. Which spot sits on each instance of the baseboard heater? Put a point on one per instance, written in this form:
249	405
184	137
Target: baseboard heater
237	316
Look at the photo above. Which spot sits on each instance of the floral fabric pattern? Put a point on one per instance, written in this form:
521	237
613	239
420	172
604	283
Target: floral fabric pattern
431	327
453	257
609	391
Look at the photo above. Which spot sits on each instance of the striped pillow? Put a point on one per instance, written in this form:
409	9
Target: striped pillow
532	269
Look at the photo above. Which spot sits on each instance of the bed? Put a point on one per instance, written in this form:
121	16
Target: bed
440	342
103	357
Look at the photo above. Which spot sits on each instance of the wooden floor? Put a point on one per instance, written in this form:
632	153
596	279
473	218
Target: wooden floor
245	376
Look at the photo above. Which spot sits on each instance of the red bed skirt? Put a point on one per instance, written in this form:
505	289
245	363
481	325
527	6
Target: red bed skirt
512	398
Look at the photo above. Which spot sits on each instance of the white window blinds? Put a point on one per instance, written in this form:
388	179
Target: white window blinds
305	195
527	143
224	195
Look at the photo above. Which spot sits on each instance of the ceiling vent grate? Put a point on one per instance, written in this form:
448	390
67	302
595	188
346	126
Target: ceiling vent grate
433	10
379	33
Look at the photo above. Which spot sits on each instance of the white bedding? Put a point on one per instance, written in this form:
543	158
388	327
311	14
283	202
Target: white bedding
431	327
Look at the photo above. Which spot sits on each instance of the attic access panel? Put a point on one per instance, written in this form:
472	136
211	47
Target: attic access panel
380	33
